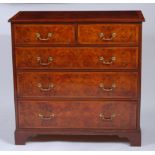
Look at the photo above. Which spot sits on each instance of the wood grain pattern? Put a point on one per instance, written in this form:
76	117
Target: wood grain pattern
77	16
78	58
61	34
125	33
68	114
77	84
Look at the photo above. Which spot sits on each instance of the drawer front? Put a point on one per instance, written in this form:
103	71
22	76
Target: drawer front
77	84
44	34
77	58
77	114
108	33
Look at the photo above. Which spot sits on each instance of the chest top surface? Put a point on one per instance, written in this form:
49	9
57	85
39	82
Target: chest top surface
77	16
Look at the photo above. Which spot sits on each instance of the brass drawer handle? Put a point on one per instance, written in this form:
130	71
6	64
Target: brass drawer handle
104	118
38	37
113	59
101	85
45	89
46	117
102	36
50	59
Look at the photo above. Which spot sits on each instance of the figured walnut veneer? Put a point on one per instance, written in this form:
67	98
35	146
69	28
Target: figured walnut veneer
82	57
78	84
61	34
125	33
125	114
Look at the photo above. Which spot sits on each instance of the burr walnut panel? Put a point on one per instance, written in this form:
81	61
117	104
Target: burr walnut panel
108	33
44	34
77	114
78	58
77	84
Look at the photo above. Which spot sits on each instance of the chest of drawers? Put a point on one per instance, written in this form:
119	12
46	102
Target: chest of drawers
77	73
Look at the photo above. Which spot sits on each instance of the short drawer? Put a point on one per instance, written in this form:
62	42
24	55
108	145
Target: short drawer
43	34
77	84
108	33
76	58
77	114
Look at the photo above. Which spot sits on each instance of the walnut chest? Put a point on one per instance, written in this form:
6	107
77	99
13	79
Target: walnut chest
77	73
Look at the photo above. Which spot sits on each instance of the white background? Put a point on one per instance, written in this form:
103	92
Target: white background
7	117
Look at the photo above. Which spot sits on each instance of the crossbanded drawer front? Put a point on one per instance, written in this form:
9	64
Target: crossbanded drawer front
76	58
78	84
44	34
77	114
108	33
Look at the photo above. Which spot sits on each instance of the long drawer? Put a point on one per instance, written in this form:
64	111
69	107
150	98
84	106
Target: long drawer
108	33
76	58
77	114
77	84
44	34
